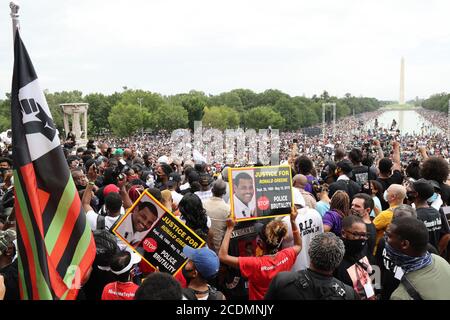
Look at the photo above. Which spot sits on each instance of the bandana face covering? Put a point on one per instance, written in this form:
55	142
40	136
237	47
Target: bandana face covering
407	263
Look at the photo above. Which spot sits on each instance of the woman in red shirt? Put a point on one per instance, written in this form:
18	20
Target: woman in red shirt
261	270
122	266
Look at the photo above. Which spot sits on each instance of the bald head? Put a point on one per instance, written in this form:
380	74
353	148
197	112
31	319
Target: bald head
300	181
103	147
219	188
396	193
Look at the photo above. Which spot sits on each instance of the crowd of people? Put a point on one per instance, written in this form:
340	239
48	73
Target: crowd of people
369	219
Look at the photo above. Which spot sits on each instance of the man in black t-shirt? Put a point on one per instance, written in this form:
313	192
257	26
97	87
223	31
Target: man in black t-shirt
360	174
343	182
317	282
422	191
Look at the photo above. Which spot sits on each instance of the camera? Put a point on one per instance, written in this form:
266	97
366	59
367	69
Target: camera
120	170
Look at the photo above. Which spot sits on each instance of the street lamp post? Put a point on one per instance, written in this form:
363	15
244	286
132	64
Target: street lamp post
325	105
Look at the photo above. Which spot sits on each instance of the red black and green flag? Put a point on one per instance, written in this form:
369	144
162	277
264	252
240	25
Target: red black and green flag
55	244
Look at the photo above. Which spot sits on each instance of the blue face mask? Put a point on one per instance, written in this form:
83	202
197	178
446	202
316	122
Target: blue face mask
385	196
432	198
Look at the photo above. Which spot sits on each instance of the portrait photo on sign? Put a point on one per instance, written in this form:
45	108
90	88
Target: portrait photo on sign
165	245
260	192
243	186
137	222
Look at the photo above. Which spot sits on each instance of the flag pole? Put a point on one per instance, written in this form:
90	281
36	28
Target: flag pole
15	17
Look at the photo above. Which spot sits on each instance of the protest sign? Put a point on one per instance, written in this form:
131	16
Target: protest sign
165	242
138	220
260	192
159	239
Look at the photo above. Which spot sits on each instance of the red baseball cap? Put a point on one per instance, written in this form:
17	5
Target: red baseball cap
110	188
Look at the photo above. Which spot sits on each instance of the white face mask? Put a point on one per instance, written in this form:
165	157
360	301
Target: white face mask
385	196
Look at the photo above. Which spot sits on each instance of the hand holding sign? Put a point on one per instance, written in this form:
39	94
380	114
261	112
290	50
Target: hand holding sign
294	214
230	224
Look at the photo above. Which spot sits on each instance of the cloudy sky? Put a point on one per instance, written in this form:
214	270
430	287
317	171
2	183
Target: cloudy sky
172	46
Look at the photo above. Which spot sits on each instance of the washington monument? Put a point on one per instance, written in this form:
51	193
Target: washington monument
401	99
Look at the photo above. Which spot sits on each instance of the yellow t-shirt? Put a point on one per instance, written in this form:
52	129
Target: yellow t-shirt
381	222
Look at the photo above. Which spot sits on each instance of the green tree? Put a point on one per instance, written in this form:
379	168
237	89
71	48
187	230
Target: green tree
438	102
170	117
124	119
270	97
249	99
306	112
5	114
220	118
148	100
99	108
325	96
194	102
290	112
229	99
262	117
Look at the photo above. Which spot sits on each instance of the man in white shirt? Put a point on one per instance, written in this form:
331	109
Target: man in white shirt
173	184
205	192
310	224
244	202
113	207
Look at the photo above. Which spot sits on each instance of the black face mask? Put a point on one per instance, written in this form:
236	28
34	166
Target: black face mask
354	247
411	196
186	275
2	171
324	175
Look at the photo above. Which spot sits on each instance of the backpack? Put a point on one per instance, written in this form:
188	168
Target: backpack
214	294
349	186
336	290
101	223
